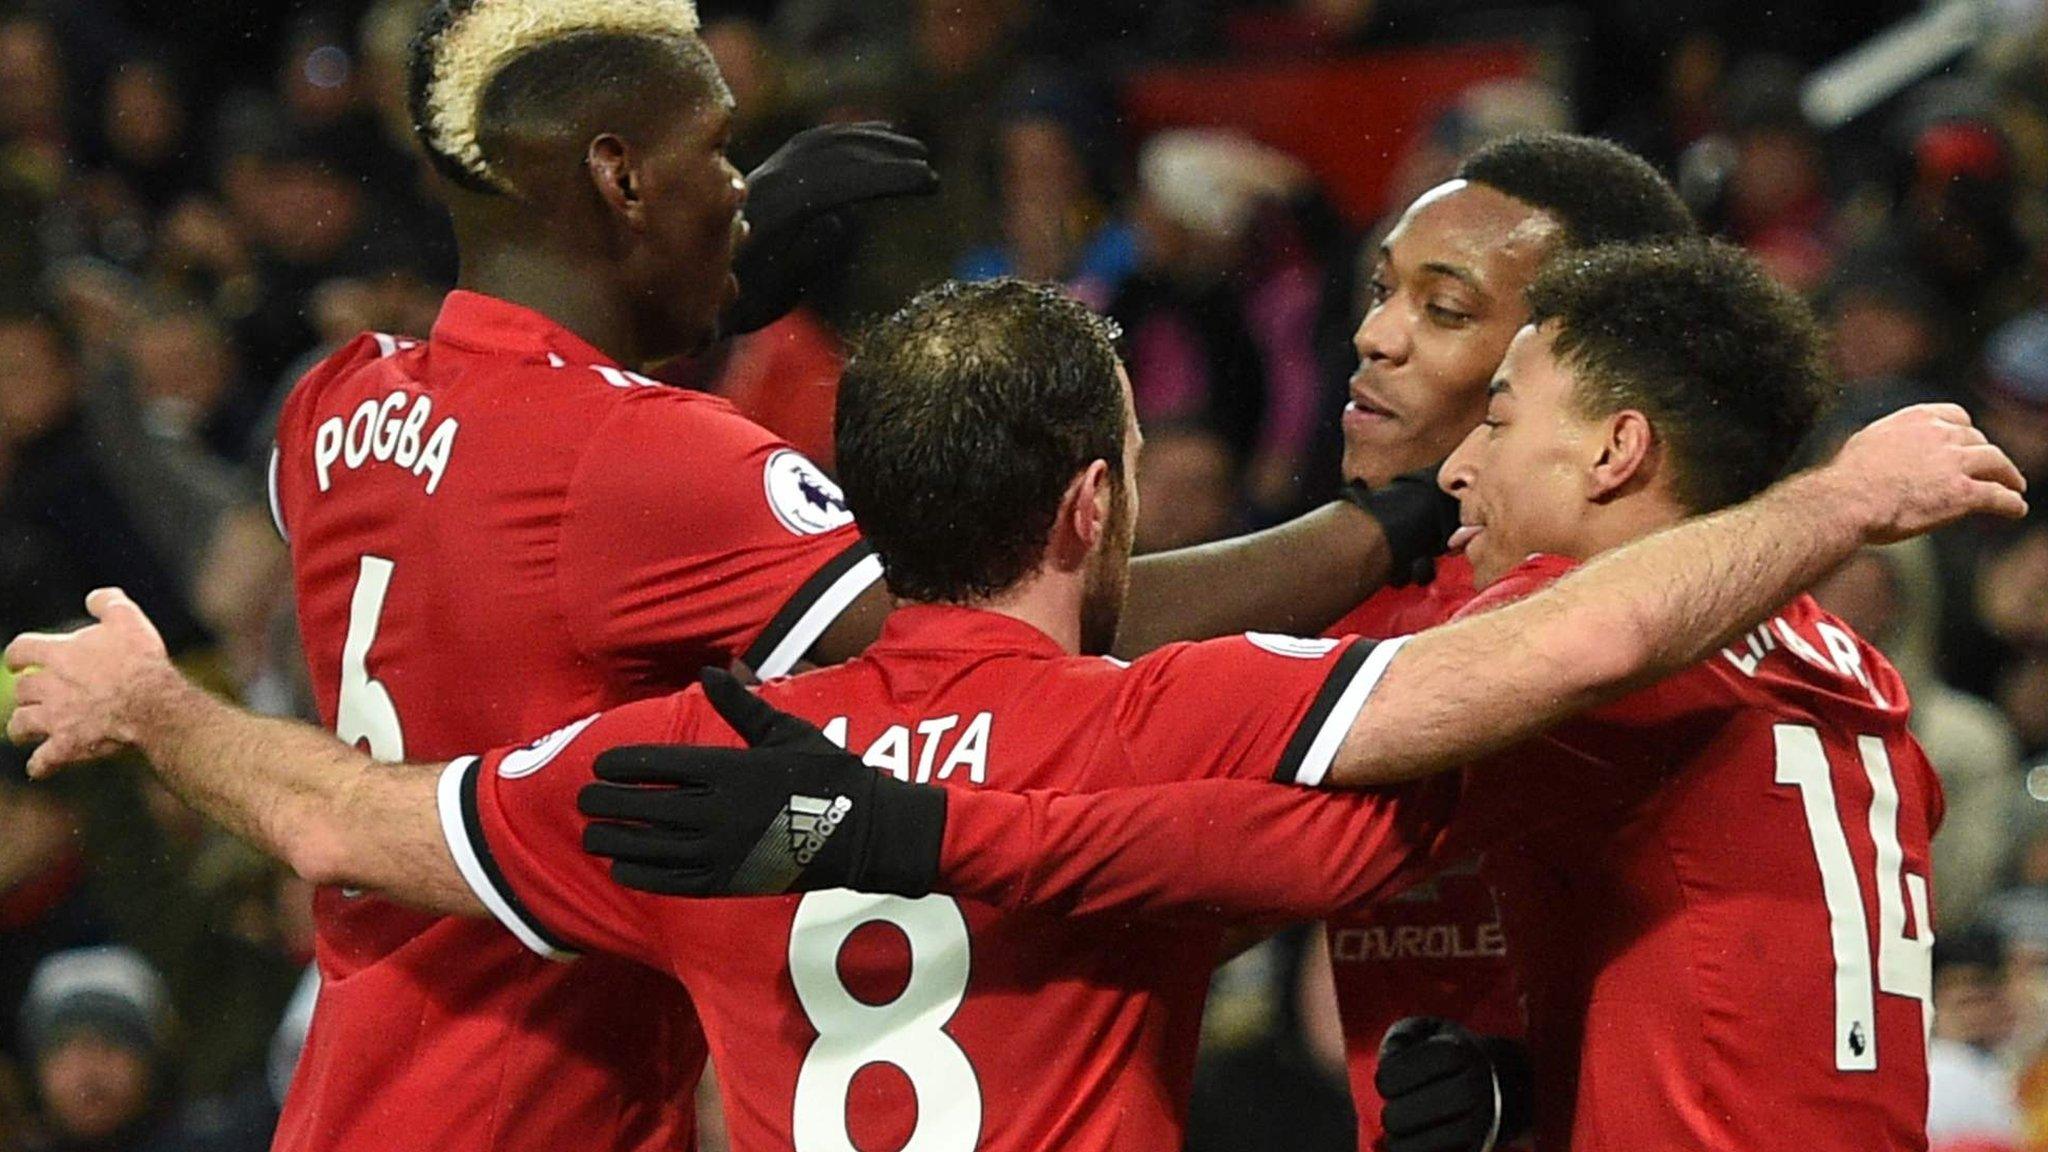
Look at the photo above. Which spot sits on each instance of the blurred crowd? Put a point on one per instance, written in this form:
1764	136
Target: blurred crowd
197	200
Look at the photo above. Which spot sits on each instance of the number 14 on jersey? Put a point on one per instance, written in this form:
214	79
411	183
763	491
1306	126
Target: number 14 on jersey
1904	963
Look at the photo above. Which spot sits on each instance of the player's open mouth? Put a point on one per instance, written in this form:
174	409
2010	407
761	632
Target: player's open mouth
1362	413
1463	536
1363	402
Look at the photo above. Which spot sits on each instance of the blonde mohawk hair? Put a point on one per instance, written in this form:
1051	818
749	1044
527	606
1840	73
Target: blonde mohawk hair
464	46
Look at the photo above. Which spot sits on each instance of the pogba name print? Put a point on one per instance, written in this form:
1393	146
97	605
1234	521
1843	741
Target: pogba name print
389	430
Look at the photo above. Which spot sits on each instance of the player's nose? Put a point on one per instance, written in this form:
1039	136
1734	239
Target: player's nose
1381	335
1461	467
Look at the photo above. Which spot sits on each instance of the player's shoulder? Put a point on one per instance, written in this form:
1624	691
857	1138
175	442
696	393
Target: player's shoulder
340	370
640	424
1229	663
646	402
1807	654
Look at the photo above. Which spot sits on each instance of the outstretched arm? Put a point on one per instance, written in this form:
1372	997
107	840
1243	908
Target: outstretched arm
327	810
1208	850
1646	610
1297	578
679	819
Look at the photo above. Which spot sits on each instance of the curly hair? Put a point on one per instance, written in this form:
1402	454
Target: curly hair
1726	362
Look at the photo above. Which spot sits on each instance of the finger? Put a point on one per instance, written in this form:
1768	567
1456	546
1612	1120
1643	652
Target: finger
672	765
1424	1064
31	649
664	806
1942	411
41	766
52	756
663	881
100	601
758	722
30	688
1439	1105
27	725
1451	1138
679	769
873	131
1966	434
1999	500
748	714
664	846
1406	1033
113	606
1987	462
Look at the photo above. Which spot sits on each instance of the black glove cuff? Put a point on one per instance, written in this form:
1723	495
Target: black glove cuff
1517	1086
903	839
1417	517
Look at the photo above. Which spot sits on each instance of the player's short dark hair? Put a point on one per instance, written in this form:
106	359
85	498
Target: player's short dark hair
962	420
594	77
1600	192
1725	361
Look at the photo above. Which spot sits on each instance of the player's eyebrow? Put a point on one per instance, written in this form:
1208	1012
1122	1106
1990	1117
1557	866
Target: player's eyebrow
1499	387
1456	272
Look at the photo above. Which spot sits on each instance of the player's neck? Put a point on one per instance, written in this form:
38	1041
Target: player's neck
1608	526
559	288
1048	601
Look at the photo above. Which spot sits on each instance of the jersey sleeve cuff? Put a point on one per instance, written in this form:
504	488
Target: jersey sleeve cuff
1314	747
462	827
813	609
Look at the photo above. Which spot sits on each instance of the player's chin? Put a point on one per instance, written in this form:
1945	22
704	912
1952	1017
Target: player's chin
1375	460
1486	560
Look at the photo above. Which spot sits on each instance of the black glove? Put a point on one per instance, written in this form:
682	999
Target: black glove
1417	517
1447	1089
796	201
792	813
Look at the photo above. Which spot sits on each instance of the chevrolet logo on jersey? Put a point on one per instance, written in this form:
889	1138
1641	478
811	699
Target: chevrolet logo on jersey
792	840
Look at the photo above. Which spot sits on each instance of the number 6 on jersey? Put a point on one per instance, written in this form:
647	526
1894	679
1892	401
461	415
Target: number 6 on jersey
365	713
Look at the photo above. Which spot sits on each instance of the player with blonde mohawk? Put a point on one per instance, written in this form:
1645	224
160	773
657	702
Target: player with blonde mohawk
468	49
507	507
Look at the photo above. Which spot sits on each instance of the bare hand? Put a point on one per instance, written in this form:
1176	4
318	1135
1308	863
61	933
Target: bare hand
87	689
1923	467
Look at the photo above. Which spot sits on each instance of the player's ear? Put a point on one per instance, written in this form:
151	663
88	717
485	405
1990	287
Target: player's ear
613	170
1083	516
1626	456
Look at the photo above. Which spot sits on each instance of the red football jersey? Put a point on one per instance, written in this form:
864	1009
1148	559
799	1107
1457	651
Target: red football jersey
1408	609
842	1020
1438	949
1717	890
495	531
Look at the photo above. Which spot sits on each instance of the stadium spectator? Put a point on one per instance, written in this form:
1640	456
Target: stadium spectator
1188	480
1054	193
1220	312
58	482
1969	1088
1892	597
44	906
96	1024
